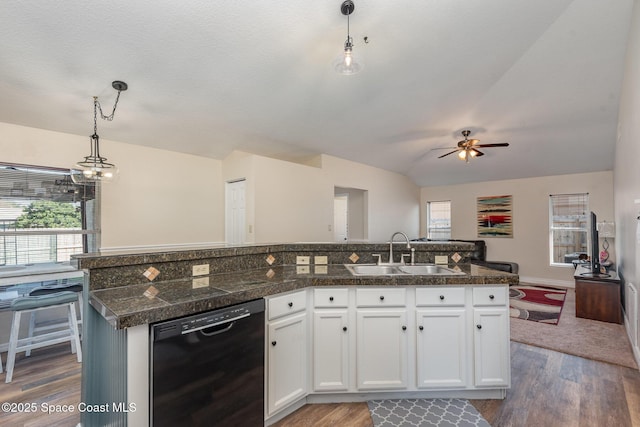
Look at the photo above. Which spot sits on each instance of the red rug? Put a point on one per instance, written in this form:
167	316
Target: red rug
537	303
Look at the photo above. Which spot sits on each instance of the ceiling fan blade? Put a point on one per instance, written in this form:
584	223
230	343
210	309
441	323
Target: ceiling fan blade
444	155
500	144
472	141
444	148
478	153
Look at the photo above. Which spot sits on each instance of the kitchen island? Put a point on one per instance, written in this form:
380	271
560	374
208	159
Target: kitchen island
128	292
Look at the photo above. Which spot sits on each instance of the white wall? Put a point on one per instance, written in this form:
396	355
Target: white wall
161	198
529	246
627	176
393	199
294	202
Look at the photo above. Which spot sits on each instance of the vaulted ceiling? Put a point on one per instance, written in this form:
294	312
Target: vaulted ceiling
210	77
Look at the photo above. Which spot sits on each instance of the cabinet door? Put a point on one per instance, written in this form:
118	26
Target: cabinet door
382	349
330	350
491	345
441	348
287	360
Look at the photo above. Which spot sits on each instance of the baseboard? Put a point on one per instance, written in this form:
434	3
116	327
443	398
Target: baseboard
156	248
548	282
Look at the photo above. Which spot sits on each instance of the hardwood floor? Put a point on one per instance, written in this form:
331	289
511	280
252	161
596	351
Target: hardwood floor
548	389
50	376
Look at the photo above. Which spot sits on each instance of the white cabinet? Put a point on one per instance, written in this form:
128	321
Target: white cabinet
382	339
491	337
331	339
441	337
441	348
413	341
287	354
331	350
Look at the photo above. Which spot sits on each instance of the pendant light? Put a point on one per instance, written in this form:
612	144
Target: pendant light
95	168
347	63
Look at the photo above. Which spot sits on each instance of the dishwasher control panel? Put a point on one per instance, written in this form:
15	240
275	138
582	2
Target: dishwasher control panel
206	320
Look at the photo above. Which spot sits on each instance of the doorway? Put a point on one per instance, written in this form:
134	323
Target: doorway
235	212
341	217
350	219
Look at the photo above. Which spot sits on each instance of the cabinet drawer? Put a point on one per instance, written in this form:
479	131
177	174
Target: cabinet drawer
328	298
287	304
440	297
381	297
490	295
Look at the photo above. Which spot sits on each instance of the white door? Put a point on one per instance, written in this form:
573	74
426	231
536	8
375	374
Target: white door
442	347
340	217
235	212
382	349
287	361
330	350
491	347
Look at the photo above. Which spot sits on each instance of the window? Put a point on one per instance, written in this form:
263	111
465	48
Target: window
568	227
439	220
44	216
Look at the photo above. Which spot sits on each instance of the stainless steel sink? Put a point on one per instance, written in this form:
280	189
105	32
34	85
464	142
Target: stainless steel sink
400	269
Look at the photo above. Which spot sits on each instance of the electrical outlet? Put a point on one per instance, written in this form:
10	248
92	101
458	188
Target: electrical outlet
442	259
320	260
302	269
304	260
320	269
200	282
200	270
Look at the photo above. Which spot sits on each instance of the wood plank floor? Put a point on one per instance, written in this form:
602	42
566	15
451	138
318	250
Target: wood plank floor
50	376
548	389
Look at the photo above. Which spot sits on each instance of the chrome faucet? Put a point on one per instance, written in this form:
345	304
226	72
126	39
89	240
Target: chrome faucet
391	245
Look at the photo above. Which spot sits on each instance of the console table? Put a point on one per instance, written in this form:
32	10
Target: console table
598	296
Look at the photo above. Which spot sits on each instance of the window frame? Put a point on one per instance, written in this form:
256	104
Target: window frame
31	177
582	227
429	228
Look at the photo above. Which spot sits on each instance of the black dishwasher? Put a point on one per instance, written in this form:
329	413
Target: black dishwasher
208	369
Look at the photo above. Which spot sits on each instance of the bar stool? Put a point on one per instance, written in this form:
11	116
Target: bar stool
34	326
30	304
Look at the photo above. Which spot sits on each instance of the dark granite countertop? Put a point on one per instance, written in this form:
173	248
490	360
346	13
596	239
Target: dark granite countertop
127	306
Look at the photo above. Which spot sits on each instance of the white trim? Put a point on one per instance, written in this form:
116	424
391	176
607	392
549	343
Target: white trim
548	282
40	277
169	247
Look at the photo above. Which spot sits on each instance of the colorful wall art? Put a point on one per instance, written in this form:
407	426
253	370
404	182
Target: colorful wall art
494	216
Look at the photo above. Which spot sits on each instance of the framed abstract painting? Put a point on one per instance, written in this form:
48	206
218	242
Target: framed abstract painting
495	216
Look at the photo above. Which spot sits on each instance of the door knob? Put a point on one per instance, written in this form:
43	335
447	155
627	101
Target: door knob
273	343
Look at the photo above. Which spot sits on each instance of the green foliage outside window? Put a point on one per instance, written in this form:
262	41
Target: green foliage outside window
48	214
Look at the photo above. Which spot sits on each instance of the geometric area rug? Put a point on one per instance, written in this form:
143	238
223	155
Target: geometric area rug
425	412
537	303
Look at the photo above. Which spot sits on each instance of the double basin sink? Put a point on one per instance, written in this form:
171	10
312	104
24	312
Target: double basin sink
400	269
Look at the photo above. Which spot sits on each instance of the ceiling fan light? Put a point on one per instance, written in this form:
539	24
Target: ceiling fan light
462	154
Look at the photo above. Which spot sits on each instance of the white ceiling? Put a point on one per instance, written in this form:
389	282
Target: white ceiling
209	77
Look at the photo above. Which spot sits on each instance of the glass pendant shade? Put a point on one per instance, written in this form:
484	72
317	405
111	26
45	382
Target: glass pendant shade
347	63
94	168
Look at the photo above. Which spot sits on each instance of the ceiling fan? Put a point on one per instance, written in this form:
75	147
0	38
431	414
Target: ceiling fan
467	148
